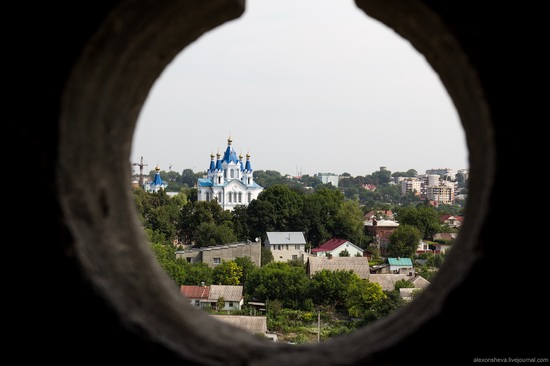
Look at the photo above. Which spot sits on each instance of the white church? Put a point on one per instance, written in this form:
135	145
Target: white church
229	180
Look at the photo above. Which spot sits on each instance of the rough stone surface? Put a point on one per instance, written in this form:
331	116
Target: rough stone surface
78	76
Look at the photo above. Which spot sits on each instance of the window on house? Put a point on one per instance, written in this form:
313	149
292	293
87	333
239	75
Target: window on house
297	247
189	260
240	197
217	260
294	257
207	196
230	304
249	197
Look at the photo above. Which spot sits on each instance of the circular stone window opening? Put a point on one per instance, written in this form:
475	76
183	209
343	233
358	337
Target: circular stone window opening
101	102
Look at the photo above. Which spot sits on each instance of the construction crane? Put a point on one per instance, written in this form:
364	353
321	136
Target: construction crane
141	165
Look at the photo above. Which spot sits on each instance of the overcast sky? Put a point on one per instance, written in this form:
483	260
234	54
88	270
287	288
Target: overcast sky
304	86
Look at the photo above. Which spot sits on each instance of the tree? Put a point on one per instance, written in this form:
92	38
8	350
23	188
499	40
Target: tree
344	253
261	218
279	281
239	220
193	214
266	256
381	309
220	303
348	222
189	178
287	205
403	241
403	284
227	273
199	274
424	217
173	267
164	219
247	266
331	287
210	233
363	296
268	178
322	209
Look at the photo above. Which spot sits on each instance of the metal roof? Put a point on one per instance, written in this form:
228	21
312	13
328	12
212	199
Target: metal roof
359	265
251	324
286	237
400	262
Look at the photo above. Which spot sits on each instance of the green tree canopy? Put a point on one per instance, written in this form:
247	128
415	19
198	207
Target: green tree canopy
363	297
331	287
403	242
247	267
210	233
279	281
227	273
424	217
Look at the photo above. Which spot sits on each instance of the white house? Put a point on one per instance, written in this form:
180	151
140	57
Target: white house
334	247
286	246
401	265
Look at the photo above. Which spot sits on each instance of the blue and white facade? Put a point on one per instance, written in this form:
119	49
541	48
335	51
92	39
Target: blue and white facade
229	180
156	184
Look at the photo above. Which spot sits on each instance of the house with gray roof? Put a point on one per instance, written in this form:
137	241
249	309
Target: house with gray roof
250	324
358	265
286	245
387	281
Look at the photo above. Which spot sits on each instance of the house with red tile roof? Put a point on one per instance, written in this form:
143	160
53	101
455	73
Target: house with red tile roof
334	247
451	220
197	295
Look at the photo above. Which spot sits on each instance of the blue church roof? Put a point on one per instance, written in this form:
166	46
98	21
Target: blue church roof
230	156
157	181
205	182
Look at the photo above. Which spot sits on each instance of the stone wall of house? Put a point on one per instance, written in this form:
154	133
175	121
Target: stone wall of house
232	251
219	253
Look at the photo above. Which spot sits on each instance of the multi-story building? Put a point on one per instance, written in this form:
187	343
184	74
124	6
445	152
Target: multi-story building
410	185
442	193
444	172
327	178
229	180
432	180
286	246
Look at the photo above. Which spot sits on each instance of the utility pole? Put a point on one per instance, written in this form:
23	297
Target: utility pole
318	326
141	165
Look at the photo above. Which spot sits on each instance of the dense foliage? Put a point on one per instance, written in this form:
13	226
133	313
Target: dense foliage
295	301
